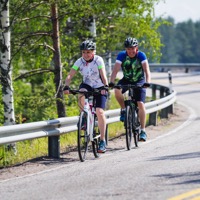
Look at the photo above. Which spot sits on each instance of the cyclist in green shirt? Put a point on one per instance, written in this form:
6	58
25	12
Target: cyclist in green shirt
135	68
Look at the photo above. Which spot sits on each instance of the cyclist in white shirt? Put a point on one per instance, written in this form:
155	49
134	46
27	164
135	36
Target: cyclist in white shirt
92	68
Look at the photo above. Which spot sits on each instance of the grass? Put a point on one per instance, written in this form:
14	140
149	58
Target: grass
30	149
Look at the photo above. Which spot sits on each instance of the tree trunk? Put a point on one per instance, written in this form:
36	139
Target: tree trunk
54	141
57	62
5	64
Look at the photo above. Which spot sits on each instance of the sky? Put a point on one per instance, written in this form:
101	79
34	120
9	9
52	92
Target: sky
180	10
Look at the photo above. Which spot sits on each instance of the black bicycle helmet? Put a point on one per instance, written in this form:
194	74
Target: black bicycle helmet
130	42
87	45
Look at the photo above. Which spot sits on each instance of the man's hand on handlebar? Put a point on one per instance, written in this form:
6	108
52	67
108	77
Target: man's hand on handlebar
111	84
146	85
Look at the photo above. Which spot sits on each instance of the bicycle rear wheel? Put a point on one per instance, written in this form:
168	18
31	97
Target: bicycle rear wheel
128	126
83	137
96	139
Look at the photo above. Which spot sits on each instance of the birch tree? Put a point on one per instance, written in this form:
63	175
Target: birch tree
5	64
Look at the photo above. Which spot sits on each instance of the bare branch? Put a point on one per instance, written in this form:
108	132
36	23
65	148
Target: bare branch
39	16
32	73
47	46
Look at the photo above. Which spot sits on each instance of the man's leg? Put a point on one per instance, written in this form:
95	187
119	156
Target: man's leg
142	116
120	98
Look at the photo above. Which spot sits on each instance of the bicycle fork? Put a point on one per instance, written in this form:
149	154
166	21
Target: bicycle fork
90	120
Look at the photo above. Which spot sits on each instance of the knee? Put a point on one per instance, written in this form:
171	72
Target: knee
117	92
141	105
100	112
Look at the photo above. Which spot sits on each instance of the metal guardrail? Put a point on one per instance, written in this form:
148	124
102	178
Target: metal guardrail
56	127
168	66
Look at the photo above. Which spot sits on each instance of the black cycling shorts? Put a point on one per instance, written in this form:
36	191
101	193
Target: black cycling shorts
140	93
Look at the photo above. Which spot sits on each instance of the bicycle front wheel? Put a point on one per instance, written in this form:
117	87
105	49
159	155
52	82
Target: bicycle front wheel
128	127
83	137
135	126
96	139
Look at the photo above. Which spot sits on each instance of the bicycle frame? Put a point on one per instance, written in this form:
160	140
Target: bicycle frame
130	100
90	134
131	122
90	110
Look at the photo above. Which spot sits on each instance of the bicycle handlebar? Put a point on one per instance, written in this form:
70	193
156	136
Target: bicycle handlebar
145	85
87	93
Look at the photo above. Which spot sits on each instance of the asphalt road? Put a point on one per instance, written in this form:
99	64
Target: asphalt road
162	168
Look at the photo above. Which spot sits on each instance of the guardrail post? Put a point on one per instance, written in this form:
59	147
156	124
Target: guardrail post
153	118
164	113
153	92
170	81
162	91
54	146
171	109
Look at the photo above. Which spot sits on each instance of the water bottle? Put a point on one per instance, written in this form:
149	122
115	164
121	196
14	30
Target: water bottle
91	104
86	105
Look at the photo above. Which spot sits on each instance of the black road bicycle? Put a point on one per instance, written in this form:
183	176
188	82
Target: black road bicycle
131	122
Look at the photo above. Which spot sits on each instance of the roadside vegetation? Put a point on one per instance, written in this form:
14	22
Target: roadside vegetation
31	149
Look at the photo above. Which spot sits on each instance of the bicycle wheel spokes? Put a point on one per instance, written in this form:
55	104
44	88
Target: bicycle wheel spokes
95	142
83	137
128	126
136	137
135	126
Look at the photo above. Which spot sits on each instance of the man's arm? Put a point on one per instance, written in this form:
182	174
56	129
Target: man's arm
147	72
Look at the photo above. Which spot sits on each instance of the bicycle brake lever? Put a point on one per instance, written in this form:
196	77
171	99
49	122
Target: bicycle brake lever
145	85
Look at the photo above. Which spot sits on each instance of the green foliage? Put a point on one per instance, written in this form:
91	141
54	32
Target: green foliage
35	102
32	44
180	42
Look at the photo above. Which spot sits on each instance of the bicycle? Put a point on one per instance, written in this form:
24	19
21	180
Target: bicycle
132	121
87	125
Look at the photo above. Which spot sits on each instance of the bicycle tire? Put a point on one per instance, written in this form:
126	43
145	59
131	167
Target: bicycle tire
96	139
83	137
128	127
135	125
106	135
